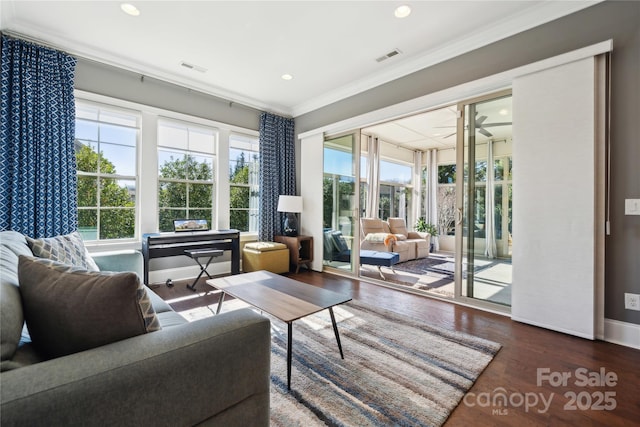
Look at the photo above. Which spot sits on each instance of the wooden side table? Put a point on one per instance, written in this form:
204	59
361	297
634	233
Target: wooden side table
300	249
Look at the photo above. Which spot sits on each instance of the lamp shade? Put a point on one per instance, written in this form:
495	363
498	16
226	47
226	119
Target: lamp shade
290	204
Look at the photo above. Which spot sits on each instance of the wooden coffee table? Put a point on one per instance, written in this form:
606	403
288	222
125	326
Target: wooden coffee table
284	298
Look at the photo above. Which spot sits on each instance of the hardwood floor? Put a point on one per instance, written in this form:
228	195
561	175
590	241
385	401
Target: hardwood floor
525	370
514	371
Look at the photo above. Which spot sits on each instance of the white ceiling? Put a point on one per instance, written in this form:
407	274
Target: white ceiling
330	47
437	128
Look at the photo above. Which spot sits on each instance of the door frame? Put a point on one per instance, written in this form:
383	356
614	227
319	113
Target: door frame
355	164
460	197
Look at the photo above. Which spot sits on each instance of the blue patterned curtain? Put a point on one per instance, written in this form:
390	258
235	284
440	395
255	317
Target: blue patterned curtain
277	171
37	127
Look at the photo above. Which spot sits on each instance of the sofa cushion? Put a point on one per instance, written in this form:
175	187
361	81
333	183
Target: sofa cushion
385	238
67	249
12	244
398	226
265	246
373	225
68	309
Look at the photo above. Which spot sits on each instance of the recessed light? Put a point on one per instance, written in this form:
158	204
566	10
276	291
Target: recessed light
130	9
402	11
503	112
287	77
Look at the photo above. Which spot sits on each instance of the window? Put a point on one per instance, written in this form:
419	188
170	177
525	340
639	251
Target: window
106	142
186	159
446	199
395	190
244	189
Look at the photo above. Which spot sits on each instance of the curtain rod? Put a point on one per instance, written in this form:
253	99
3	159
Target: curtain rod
231	103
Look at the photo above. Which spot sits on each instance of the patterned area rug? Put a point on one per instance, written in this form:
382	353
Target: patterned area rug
438	265
396	371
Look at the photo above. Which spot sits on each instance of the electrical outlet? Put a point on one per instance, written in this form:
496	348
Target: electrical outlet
632	301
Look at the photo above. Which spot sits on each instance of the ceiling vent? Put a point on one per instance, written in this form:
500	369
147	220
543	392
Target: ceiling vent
193	67
391	54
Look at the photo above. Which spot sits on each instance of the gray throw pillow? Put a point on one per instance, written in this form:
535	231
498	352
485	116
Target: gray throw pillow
68	309
67	249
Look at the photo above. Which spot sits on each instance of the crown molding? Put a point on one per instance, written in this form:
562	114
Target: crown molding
529	17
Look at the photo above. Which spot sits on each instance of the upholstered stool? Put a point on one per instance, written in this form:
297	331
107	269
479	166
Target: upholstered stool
270	256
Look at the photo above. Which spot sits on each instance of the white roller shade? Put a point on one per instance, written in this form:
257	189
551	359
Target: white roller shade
556	192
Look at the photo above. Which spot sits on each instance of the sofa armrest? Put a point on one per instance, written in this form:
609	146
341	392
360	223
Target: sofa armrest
418	235
184	375
129	260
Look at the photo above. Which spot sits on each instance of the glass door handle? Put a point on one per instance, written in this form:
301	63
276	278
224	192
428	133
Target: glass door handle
459	216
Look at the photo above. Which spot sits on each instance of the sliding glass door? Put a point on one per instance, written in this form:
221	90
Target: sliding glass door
484	199
340	203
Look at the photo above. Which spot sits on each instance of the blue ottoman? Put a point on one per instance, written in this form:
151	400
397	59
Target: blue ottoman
379	259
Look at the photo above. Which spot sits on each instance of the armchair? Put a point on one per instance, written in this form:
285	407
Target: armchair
420	240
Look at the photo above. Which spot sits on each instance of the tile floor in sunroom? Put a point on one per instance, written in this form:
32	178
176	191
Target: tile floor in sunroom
492	281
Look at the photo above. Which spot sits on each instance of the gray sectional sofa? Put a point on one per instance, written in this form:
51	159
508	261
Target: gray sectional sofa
213	371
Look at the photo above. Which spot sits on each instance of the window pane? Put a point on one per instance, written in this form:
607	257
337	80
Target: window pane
386	197
114	193
239	165
86	156
239	219
481	171
498	210
395	172
244	165
87	191
498	168
201	214
88	223
118	134
446	210
117	223
172	195
86	130
479	212
239	197
122	158
337	162
200	195
200	168
446	174
172	165
106	145
167	216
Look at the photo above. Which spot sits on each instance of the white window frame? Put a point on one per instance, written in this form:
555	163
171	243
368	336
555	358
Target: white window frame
147	163
251	144
189	150
109	107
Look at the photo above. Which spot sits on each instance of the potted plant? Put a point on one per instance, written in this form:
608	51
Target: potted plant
423	226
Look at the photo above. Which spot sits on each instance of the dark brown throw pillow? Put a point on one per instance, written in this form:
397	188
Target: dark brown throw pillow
68	309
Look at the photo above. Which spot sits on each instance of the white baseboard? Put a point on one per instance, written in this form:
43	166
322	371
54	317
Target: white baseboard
188	272
623	333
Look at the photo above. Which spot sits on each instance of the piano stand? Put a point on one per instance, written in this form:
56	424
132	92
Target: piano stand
202	253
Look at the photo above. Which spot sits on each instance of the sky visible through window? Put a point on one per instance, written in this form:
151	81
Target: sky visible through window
338	162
